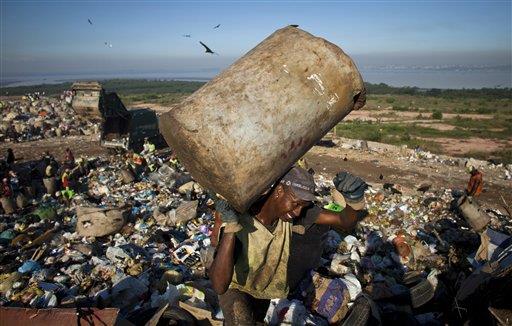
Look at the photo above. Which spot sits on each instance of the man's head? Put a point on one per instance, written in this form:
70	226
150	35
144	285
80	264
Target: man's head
295	191
470	168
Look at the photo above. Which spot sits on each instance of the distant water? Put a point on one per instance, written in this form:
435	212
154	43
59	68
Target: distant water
434	78
423	78
57	79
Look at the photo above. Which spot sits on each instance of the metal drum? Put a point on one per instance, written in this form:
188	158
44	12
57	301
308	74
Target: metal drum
245	128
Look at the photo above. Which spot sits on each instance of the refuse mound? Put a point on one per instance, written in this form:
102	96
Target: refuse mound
139	251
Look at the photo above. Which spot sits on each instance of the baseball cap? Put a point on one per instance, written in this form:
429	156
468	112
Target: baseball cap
301	182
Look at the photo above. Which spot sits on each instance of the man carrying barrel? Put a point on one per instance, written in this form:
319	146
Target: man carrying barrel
263	254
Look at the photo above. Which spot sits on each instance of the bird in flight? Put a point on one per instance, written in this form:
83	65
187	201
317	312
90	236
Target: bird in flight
216	26
187	35
208	50
89	20
108	44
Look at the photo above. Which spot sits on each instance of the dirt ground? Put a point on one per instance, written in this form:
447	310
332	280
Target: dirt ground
371	166
384	115
34	150
325	160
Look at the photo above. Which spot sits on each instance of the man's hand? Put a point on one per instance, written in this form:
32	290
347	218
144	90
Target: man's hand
228	215
350	186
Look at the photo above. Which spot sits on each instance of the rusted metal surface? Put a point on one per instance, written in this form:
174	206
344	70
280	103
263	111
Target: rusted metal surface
87	98
246	127
60	317
473	213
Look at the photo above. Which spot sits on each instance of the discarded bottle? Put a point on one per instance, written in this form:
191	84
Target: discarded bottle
246	127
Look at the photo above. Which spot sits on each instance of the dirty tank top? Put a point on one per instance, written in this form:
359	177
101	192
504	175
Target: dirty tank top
261	267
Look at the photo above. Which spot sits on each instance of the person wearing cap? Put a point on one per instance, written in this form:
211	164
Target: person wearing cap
476	182
264	253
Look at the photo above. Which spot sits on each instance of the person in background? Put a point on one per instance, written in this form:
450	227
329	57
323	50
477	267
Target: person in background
10	157
69	159
476	182
148	147
6	188
50	170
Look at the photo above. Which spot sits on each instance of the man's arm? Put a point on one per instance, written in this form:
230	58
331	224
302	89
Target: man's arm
221	270
226	225
352	187
345	221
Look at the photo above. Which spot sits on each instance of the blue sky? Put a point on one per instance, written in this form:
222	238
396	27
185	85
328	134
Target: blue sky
55	37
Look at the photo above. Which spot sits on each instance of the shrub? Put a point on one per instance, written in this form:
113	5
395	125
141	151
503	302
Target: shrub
390	100
436	114
374	135
405	137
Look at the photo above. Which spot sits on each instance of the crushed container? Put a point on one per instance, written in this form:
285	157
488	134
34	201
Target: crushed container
246	127
473	213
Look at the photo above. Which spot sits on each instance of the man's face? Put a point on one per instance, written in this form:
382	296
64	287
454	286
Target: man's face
288	205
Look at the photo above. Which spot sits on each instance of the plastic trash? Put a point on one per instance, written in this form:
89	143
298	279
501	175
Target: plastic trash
29	266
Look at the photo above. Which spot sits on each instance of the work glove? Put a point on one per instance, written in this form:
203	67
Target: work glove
228	215
351	187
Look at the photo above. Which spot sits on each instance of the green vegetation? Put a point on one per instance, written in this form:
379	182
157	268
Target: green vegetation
161	99
436	114
483	93
421	103
390	133
120	86
464	128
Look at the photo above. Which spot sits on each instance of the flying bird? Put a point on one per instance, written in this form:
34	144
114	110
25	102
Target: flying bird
89	20
187	35
217	26
208	50
108	44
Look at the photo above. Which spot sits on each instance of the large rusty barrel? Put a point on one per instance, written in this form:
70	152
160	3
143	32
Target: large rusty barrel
245	128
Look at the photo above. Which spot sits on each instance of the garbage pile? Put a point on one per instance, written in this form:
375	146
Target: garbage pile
139	241
130	245
419	155
410	260
36	116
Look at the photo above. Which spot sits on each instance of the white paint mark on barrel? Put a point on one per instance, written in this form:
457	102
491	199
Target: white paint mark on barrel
316	78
